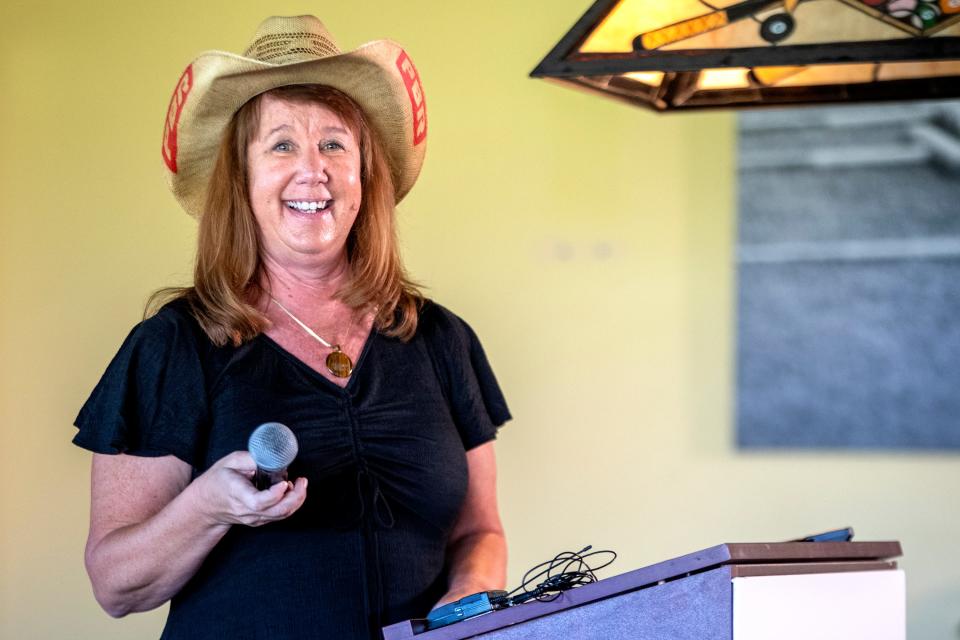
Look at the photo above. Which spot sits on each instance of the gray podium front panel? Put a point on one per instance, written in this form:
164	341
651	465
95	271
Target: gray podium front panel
694	608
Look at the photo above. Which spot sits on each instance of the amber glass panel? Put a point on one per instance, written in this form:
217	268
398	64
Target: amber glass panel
739	78
831	74
902	70
651	78
773	76
711	79
858	73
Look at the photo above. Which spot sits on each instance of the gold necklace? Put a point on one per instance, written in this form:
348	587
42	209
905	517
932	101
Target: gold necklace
338	363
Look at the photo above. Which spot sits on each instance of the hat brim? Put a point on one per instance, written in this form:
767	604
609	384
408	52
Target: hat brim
222	82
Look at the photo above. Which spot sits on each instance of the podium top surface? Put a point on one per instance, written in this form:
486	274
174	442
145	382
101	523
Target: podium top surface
787	554
737	552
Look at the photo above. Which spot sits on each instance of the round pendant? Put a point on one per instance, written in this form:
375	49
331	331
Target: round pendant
339	364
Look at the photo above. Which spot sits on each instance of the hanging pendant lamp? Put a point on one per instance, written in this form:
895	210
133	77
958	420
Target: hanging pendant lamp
692	54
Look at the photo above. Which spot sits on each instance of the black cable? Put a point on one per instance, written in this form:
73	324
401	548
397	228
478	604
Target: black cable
547	580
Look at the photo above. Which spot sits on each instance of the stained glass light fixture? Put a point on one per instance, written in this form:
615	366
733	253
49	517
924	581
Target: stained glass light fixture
688	54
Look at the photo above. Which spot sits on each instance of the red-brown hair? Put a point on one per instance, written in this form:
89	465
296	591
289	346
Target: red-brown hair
229	270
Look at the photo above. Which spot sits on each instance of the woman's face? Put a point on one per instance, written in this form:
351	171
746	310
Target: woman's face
303	170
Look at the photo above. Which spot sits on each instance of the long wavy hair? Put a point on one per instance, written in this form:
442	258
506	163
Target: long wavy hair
229	272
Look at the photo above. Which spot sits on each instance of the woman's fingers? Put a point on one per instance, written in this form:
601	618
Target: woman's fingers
262	500
276	503
240	461
291	501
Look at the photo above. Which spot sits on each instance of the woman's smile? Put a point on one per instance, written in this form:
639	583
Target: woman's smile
308	206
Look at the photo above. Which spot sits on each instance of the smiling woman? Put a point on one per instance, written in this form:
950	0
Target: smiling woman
295	184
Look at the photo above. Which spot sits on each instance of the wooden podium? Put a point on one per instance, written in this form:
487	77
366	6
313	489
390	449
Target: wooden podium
734	591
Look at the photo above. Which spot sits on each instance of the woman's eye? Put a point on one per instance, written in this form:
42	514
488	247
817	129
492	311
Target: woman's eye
282	146
331	145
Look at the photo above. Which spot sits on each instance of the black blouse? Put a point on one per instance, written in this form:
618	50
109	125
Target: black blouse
385	459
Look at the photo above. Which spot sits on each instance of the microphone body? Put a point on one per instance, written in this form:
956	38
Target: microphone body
264	479
273	447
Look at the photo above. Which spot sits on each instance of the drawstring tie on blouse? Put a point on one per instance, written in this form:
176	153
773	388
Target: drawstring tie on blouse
382	518
379	505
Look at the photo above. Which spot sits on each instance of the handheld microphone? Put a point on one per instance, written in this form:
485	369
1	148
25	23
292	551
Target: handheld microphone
273	447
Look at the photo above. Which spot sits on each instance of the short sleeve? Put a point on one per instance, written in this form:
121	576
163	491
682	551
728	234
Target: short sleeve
473	394
151	401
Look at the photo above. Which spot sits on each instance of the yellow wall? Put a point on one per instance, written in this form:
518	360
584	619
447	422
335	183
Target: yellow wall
589	244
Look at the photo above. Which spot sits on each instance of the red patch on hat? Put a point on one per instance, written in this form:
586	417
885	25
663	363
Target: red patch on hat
415	90
177	100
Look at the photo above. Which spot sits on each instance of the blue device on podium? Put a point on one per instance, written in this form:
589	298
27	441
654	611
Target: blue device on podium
468	607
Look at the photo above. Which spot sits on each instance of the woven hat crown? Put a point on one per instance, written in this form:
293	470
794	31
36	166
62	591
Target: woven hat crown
288	40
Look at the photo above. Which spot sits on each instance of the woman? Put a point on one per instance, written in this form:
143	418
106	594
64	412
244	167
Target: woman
293	157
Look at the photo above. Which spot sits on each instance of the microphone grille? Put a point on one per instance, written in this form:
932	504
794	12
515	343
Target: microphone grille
273	446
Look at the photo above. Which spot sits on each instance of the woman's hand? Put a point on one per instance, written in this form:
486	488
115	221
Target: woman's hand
459	593
151	526
225	494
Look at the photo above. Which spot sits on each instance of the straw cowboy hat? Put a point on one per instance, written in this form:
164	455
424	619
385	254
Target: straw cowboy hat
379	76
